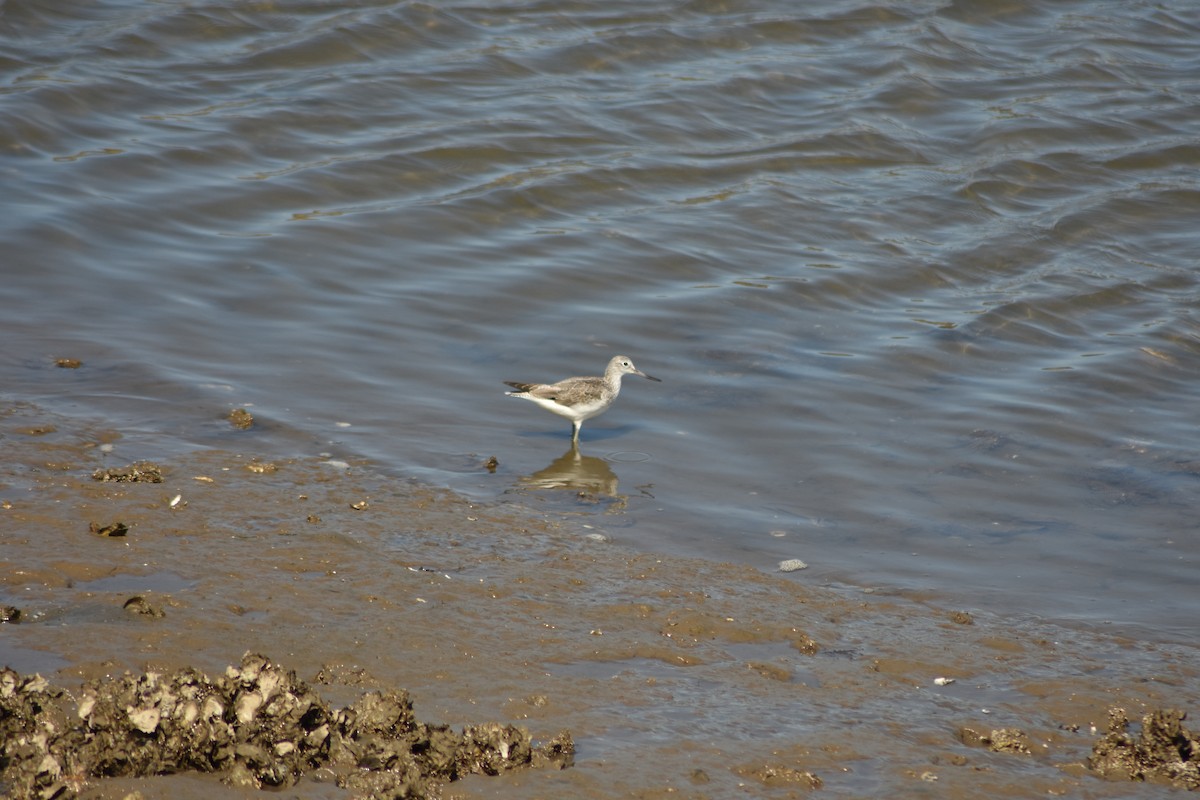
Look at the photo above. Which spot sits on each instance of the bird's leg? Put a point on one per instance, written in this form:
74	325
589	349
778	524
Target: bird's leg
575	433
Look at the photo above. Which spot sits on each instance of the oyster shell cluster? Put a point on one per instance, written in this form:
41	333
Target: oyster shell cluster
257	724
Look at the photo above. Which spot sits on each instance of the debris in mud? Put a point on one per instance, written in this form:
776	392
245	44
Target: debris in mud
1005	740
68	363
805	643
140	472
962	618
39	430
241	419
257	724
1163	752
10	614
344	675
772	671
986	441
781	775
113	530
491	464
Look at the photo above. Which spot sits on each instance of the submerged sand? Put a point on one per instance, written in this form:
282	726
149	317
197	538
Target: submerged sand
664	676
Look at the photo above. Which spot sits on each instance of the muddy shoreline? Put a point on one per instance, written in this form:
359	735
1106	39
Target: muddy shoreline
674	676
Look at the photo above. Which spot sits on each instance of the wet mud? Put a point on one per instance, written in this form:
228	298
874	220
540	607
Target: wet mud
445	643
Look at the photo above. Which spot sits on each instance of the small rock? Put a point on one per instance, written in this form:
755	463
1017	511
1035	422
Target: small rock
113	530
241	419
140	605
791	565
1010	740
1004	740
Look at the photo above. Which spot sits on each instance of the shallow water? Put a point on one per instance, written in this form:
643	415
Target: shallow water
920	279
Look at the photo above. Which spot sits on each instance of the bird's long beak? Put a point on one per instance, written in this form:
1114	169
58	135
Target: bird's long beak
649	377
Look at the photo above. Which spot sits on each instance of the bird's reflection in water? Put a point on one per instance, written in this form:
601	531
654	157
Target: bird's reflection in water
587	476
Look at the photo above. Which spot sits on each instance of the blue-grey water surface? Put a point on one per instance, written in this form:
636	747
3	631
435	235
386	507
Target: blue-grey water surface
920	278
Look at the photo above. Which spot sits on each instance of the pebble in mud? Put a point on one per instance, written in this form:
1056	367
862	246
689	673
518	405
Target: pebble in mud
257	724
